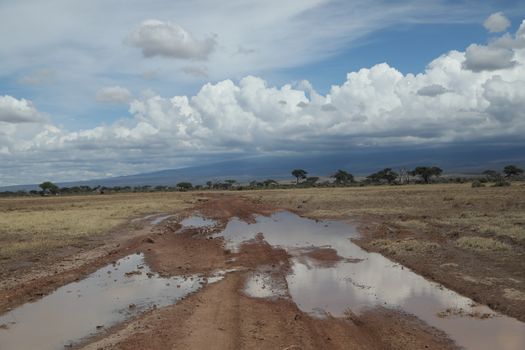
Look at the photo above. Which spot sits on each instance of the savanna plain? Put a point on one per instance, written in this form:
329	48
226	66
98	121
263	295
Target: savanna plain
470	241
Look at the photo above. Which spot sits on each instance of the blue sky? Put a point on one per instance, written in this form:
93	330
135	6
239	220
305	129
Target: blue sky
103	95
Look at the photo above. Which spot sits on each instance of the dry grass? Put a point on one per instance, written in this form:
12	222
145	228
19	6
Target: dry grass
38	224
410	246
431	209
33	225
481	244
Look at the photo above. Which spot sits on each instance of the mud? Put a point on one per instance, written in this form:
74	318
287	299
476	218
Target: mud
77	310
280	293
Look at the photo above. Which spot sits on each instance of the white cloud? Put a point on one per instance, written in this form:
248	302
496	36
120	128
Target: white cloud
114	94
157	38
38	77
471	95
496	22
17	111
432	90
488	58
196	71
374	106
506	98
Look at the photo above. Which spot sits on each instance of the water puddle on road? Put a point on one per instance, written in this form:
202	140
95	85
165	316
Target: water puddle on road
160	219
78	310
262	284
198	221
365	280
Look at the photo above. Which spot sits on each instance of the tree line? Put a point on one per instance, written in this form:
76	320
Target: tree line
386	175
420	174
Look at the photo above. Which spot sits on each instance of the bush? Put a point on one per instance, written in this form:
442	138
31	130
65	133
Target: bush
501	183
477	183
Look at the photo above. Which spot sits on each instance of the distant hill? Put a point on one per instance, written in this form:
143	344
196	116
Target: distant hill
462	159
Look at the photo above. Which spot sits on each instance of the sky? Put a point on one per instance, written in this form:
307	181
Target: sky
92	89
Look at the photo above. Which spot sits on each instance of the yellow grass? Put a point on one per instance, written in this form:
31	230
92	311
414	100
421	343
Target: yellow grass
481	244
411	246
38	224
437	209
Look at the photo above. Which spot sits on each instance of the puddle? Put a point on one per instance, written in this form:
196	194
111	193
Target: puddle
80	309
160	219
367	280
197	221
261	284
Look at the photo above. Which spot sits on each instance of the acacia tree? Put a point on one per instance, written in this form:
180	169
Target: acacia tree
312	180
342	177
184	186
269	183
387	174
426	173
492	175
48	186
230	182
299	174
511	171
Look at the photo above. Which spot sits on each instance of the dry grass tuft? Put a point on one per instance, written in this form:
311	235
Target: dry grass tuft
481	244
409	246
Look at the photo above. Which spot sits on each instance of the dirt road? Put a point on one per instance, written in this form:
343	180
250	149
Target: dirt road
221	315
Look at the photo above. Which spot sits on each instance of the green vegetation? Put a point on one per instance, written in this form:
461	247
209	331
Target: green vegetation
342	177
49	187
426	173
184	186
386	175
511	171
477	184
299	174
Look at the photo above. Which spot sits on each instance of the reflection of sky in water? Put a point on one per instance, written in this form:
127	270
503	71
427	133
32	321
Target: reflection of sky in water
261	284
375	281
160	219
75	310
197	222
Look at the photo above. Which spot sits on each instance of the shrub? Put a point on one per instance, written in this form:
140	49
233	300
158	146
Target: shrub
477	183
501	183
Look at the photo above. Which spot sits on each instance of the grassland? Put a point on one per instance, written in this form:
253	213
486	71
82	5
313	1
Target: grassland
31	226
478	219
469	239
497	212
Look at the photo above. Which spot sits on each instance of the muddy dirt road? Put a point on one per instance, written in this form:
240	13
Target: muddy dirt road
230	273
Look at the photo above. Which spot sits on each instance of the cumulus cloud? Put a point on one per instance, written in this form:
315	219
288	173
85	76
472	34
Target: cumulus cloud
328	107
196	71
496	22
432	90
114	94
488	58
373	106
17	111
157	38
506	98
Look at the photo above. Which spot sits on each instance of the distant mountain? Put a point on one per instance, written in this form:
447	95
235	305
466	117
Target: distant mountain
464	159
